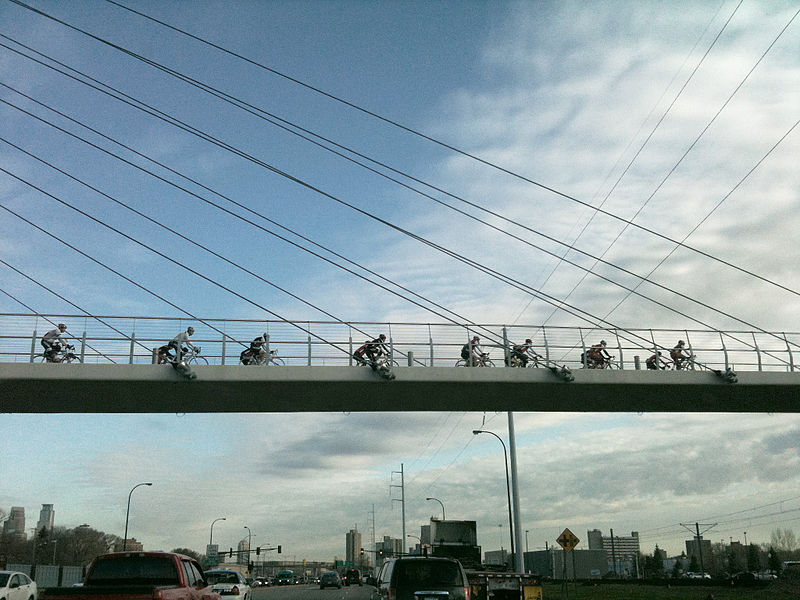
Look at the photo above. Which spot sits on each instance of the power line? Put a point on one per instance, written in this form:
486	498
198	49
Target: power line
561	194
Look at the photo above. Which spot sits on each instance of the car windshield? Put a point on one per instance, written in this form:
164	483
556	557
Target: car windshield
4	579
424	573
214	578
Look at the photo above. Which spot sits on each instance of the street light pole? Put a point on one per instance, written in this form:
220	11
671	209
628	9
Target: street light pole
440	502
127	515
508	486
519	563
211	537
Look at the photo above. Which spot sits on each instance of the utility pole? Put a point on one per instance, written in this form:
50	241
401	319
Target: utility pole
519	559
698	540
402	501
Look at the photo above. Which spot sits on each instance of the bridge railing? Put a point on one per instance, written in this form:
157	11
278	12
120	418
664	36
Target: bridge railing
132	340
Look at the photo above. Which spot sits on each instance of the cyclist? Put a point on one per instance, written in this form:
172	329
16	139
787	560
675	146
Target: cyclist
179	343
53	340
678	355
524	352
655	362
372	349
478	355
597	355
257	350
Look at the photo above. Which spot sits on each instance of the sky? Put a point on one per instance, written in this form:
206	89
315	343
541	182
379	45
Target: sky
680	117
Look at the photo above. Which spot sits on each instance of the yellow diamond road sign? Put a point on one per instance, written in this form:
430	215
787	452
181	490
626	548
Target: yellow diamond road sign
568	540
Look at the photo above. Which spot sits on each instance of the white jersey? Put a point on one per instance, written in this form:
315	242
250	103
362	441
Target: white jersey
54	335
183	338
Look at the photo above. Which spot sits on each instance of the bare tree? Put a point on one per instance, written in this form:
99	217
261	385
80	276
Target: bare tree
783	540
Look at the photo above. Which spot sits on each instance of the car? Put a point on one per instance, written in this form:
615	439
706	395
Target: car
411	577
745	579
330	579
17	586
229	584
352	577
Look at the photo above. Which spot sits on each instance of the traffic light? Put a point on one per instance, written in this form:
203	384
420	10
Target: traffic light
258	550
279	548
362	552
231	553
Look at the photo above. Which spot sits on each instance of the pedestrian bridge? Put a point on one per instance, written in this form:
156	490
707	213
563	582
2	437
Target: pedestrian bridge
117	374
99	388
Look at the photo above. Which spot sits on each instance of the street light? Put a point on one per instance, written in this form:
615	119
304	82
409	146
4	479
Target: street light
127	514
211	537
440	502
417	538
508	486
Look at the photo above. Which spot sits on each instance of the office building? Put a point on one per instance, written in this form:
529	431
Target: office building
243	556
46	516
620	549
15	524
353	547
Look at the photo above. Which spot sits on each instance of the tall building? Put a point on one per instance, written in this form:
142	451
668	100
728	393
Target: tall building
46	516
15	524
618	548
353	547
242	557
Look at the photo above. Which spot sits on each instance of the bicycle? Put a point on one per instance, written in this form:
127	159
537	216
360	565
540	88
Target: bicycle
684	365
59	354
190	356
483	361
515	361
248	358
593	363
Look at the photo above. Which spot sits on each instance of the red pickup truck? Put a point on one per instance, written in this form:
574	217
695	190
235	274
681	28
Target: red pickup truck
138	576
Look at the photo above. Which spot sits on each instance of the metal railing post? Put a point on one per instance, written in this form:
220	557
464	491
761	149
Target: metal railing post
689	343
758	351
546	346
350	355
505	347
430	339
391	350
133	343
583	345
83	347
33	345
410	358
724	349
789	350
637	362
309	351
155	356
224	348
266	346
619	347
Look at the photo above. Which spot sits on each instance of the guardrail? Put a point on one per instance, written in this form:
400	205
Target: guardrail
132	340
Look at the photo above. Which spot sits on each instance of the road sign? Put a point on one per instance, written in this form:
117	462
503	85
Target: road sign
568	540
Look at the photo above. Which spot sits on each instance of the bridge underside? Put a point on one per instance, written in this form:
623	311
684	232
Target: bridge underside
47	388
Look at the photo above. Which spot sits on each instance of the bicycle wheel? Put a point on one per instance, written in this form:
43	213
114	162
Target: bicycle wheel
488	362
277	361
199	360
70	358
461	363
40	358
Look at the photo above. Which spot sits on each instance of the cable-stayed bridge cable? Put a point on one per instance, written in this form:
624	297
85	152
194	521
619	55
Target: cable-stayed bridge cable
542	186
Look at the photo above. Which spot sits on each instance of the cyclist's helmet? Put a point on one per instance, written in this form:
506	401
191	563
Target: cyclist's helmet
62	326
528	341
476	339
190	331
264	335
382	337
602	342
681	342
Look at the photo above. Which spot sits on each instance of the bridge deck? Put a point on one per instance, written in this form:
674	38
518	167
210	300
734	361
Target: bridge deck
42	388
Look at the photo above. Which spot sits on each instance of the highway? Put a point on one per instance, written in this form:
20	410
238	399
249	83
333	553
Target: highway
312	592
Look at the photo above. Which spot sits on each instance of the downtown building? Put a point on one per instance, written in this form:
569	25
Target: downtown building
622	552
15	524
352	555
46	517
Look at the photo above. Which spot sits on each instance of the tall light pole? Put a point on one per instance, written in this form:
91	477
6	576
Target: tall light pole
211	537
249	537
127	514
440	502
508	486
